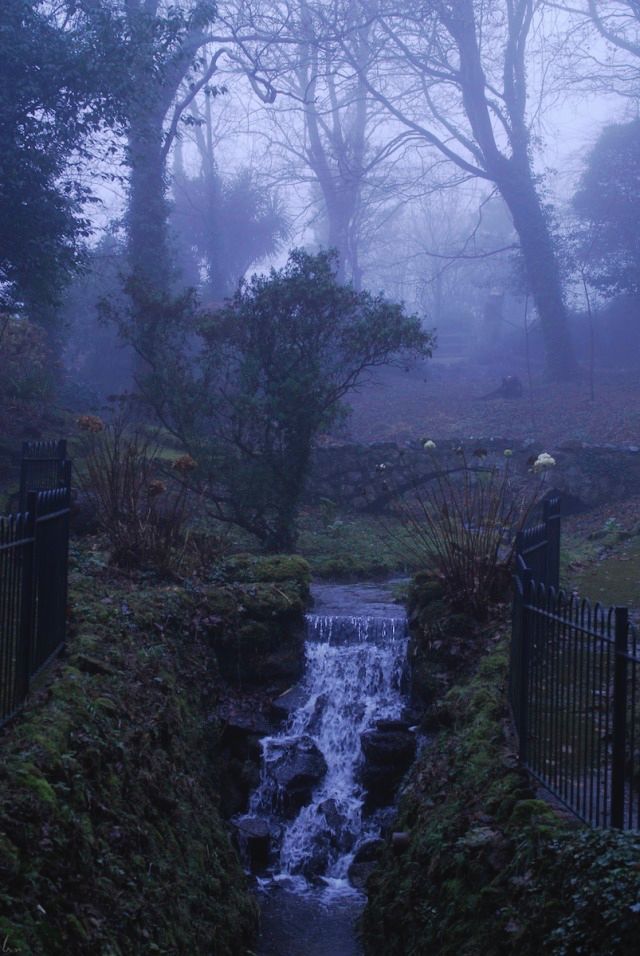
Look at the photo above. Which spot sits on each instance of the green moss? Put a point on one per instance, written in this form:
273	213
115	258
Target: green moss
111	839
491	869
274	567
353	547
31	779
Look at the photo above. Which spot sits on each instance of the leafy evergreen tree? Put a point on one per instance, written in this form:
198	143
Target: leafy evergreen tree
608	200
248	388
50	103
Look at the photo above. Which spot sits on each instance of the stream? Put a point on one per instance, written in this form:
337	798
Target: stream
355	672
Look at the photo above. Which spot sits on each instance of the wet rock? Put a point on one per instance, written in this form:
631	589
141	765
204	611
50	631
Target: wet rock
296	772
315	864
287	703
390	725
246	724
339	833
254	839
316	716
380	785
369	851
387	756
329	810
396	748
364	862
242	731
233	735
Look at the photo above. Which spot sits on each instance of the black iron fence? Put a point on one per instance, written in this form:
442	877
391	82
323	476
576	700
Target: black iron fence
42	467
33	582
574	684
539	545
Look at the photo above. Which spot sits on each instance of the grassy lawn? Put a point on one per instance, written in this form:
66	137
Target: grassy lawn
354	547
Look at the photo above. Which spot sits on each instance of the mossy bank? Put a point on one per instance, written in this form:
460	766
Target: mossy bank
488	868
111	840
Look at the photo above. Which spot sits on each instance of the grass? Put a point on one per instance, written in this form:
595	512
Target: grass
354	547
615	577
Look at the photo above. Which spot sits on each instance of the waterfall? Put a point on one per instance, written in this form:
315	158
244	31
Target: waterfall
353	678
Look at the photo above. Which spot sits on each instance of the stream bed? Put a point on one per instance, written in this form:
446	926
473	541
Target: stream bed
314	798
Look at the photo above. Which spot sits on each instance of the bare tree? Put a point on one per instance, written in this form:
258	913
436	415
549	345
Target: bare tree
606	44
618	21
454	73
324	121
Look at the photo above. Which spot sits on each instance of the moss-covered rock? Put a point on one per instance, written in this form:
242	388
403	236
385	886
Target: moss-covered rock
489	869
254	618
111	841
270	567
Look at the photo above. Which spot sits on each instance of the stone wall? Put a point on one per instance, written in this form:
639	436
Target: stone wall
365	477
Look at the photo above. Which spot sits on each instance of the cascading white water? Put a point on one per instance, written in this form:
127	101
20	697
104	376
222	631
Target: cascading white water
353	677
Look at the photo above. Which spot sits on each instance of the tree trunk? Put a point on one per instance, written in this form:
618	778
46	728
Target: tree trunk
543	275
147	229
340	206
147	207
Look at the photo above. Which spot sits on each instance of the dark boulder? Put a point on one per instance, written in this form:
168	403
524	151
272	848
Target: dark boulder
364	862
254	836
387	756
380	784
287	703
296	771
390	725
395	748
341	836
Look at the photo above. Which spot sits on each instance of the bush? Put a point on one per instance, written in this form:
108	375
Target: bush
247	389
462	523
25	362
141	510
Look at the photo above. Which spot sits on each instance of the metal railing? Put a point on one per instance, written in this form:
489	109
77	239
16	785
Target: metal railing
42	467
574	682
33	587
539	545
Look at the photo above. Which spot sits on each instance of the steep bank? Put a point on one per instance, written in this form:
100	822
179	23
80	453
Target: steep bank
489	869
111	840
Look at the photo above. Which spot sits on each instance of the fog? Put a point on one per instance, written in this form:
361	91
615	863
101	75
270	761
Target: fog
439	153
320	476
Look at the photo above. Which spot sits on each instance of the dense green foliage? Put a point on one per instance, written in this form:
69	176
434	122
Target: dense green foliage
271	370
222	226
608	200
51	99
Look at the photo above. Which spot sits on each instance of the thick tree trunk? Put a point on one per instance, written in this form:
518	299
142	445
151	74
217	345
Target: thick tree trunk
147	207
340	206
541	263
147	229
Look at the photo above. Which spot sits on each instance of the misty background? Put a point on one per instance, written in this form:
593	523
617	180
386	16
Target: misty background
476	162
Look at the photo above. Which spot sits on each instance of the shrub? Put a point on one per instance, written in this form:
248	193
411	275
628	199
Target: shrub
25	361
248	389
462	523
140	508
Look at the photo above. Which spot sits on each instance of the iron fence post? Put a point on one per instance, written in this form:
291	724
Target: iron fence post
526	580
27	611
551	518
618	756
23	477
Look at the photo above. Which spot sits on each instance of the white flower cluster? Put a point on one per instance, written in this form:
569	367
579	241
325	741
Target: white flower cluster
428	445
543	462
